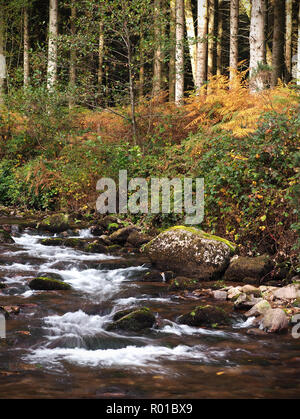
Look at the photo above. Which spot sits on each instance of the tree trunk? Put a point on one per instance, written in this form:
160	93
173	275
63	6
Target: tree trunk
2	56
26	48
202	43
190	29
157	62
100	58
278	38
234	27
52	45
288	39
72	72
257	44
211	34
298	52
172	50
179	55
141	69
220	37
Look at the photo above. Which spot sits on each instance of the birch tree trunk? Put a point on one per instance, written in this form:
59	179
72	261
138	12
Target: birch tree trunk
172	50
234	27
2	56
191	34
257	44
211	41
26	48
288	39
220	37
100	56
179	53
52	45
201	43
157	62
277	50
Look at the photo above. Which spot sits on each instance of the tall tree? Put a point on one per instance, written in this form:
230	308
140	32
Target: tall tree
72	71
298	51
100	55
201	42
234	27
157	62
220	37
257	44
278	41
211	37
172	37
179	58
2	55
288	39
191	35
52	44
26	47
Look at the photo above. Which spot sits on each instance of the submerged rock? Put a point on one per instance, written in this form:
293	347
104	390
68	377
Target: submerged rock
48	284
133	320
241	267
5	237
189	251
207	315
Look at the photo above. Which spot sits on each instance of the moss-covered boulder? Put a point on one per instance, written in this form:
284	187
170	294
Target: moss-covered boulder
121	235
183	283
190	252
56	223
95	247
206	315
137	239
5	237
243	266
134	321
48	284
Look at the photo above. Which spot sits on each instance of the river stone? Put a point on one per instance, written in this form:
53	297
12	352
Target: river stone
183	283
274	320
287	293
189	251
121	235
220	295
47	284
56	223
135	320
137	239
241	267
258	309
207	315
5	237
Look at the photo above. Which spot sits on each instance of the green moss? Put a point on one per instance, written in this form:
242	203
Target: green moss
203	235
45	283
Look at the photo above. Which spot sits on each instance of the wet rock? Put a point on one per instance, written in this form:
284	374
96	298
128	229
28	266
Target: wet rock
152	276
244	301
183	283
95	247
96	230
134	321
121	235
2	285
256	332
189	251
274	320
137	239
287	293
219	295
55	223
105	240
207	315
48	284
241	267
51	275
251	290
53	241
8	310
5	237
258	309
108	221
168	275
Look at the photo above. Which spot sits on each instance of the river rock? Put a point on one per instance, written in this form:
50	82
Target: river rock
56	223
121	235
183	283
152	276
219	295
207	315
135	320
190	252
241	267
96	230
5	237
274	320
48	284
137	239
109	222
287	293
258	309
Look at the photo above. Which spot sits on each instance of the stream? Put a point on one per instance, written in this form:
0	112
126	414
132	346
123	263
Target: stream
58	346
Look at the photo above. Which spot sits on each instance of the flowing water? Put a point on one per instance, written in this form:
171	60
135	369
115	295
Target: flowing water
58	346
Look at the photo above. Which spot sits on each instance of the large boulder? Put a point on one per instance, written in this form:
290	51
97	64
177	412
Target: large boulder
133	320
48	284
56	223
241	267
274	320
207	315
121	235
287	293
190	252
